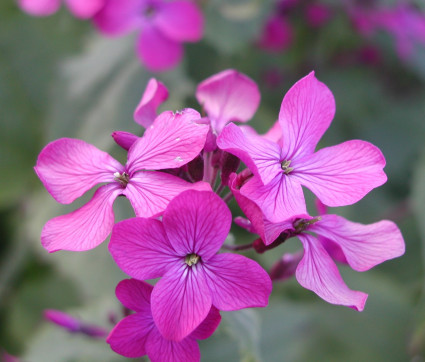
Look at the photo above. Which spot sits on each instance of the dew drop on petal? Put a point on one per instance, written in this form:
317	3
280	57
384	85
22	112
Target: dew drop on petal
179	159
178	139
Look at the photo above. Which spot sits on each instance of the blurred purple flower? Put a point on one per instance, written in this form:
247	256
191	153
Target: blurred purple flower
83	9
276	35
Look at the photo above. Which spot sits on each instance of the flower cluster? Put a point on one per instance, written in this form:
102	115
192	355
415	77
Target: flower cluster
175	177
163	25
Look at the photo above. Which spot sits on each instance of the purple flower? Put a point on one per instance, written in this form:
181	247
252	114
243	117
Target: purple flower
277	34
70	167
182	249
338	175
137	334
164	26
83	9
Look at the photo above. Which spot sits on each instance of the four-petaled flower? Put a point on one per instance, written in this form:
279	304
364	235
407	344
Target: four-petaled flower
137	335
83	9
182	249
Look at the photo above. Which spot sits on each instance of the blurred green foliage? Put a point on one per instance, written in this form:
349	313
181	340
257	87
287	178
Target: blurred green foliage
59	78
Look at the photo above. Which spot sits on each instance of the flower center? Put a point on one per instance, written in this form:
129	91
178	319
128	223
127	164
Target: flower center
191	259
301	225
122	178
285	166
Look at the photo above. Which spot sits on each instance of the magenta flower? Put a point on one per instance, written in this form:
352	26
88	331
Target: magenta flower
338	175
182	249
164	26
70	167
277	34
83	9
137	334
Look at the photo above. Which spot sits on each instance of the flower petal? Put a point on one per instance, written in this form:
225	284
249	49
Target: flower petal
317	272
197	222
260	155
343	174
228	96
154	95
119	17
141	248
180	301
180	21
70	167
134	294
237	282
279	200
160	349
85	9
306	112
173	140
39	7
364	246
124	139
84	228
208	326
129	337
150	192
156	51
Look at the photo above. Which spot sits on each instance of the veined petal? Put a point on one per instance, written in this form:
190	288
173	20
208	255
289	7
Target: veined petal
173	140
141	248
274	134
85	9
70	167
119	17
260	155
364	246
317	272
134	294
160	349
129	337
343	174
39	7
228	96
84	228
197	222
208	326
180	21
156	51
124	139
180	301
154	95
150	192
237	282
306	112
279	200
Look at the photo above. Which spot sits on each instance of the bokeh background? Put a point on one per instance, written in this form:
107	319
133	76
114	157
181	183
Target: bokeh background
60	78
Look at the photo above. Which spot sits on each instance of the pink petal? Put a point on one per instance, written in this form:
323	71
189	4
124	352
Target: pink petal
260	155
364	246
197	222
155	94
150	192
39	7
129	337
343	174
279	200
228	96
173	140
160	349
85	228
276	35
180	21
208	326
134	294
141	249
180	301
85	9
124	139
237	282
274	134
157	51
119	17
317	272
306	112
70	167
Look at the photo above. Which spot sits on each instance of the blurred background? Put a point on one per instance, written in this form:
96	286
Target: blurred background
59	77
